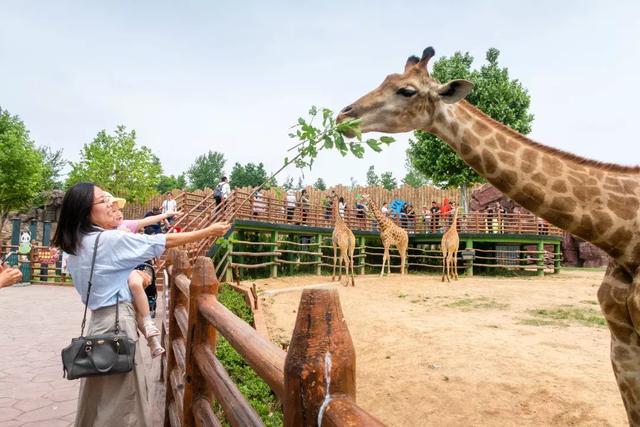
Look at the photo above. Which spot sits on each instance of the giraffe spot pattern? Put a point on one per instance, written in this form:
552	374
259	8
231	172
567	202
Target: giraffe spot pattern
563	203
559	187
481	129
623	207
490	162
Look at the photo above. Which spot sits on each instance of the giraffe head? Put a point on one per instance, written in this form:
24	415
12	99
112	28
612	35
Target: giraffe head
407	101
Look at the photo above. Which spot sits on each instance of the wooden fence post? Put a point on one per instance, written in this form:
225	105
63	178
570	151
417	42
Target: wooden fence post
203	282
229	273
363	259
540	256
180	261
320	363
557	258
319	266
468	264
274	267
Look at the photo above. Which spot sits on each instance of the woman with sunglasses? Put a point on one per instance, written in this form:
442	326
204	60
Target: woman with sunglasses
87	211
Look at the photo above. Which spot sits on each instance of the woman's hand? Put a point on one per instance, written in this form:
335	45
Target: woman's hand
9	276
218	229
176	214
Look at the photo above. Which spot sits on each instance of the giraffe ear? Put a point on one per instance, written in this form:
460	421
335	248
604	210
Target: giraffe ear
454	91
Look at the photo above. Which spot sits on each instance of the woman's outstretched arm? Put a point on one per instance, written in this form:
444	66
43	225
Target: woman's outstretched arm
216	229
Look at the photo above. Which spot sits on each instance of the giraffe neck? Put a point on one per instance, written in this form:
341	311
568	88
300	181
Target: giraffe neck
588	199
383	221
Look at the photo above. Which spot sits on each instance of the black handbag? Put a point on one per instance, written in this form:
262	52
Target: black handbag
97	355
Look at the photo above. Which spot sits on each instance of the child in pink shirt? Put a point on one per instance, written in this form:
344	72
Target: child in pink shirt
141	277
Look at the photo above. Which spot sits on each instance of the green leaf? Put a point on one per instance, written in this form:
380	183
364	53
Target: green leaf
386	140
328	142
375	146
356	149
301	121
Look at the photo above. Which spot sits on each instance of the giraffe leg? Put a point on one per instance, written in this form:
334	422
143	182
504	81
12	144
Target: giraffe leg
352	248
444	263
455	265
333	278
344	259
403	260
389	263
385	255
619	297
340	264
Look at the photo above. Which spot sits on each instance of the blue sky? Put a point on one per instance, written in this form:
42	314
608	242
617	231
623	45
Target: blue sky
233	76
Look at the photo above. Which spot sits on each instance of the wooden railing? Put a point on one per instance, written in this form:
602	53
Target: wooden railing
314	380
273	210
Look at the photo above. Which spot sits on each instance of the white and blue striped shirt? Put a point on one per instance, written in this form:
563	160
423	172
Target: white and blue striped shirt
118	253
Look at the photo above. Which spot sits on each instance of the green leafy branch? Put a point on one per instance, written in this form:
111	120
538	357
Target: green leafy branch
330	135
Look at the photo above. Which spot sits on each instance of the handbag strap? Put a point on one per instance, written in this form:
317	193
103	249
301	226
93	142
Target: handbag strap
86	304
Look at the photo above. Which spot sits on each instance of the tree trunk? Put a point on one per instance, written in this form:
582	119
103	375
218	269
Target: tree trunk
464	195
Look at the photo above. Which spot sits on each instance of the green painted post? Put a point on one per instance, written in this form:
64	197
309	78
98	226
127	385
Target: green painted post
33	229
15	232
468	264
361	262
319	242
557	258
540	249
274	267
46	233
229	272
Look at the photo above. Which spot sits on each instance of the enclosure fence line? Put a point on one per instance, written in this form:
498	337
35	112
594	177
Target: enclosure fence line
314	380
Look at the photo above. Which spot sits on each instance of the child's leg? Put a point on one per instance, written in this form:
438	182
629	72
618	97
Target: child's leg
140	302
137	280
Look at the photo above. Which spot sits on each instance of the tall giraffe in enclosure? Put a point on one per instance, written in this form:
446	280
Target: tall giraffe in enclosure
390	234
599	202
449	244
344	239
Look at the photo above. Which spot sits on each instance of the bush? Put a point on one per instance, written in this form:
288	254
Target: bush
252	387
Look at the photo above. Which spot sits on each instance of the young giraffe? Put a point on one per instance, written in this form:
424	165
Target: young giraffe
449	245
343	238
599	202
390	234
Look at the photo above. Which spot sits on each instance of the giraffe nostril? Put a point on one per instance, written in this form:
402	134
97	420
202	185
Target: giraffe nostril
346	109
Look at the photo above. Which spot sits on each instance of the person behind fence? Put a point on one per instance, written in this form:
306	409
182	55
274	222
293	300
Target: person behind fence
140	278
435	215
341	206
153	228
222	190
304	203
169	205
86	215
259	205
291	204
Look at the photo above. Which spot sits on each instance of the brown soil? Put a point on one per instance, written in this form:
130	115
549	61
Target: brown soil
470	353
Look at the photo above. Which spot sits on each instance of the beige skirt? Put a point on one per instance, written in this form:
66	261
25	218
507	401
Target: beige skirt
120	400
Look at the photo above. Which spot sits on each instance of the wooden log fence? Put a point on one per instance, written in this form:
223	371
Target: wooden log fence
314	380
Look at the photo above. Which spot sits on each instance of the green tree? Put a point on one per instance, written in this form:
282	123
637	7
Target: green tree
372	177
171	182
21	166
414	178
117	164
249	175
288	183
320	185
52	170
207	170
388	181
495	93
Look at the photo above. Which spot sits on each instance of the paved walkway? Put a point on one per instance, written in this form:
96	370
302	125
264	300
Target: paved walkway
36	323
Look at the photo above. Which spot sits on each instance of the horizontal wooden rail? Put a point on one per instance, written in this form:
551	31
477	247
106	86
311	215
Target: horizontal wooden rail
314	381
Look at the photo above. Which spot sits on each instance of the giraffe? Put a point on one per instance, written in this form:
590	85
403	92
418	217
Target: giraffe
449	245
390	234
598	202
343	238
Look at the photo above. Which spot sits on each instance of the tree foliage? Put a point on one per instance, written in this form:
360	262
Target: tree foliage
52	168
320	185
372	178
414	178
207	170
171	182
21	166
249	175
494	92
117	164
388	181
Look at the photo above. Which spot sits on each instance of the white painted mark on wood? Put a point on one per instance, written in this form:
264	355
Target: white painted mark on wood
327	381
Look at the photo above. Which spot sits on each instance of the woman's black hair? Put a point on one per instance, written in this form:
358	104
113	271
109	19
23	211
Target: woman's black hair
341	199
74	217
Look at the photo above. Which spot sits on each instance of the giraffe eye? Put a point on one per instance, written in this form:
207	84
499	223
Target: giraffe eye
407	92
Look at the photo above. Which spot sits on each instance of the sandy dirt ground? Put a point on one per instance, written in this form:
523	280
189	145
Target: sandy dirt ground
470	353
